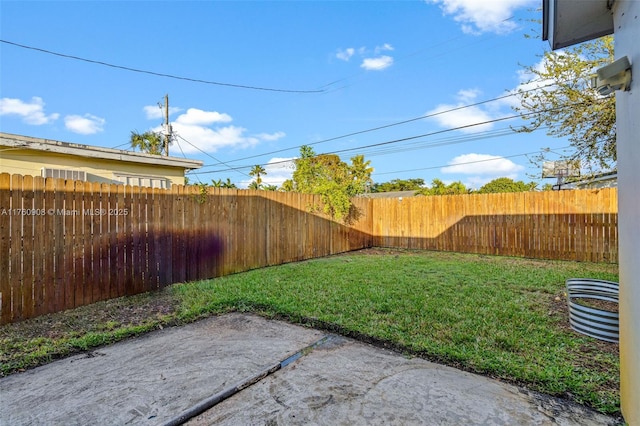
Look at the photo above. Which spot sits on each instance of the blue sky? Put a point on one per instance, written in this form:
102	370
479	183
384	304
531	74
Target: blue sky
289	73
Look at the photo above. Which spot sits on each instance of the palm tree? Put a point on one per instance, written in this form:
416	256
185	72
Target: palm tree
149	142
258	171
253	185
228	184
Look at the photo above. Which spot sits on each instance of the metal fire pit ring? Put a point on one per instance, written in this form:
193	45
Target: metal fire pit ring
594	322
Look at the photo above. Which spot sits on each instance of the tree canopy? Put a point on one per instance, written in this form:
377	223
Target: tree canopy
505	184
398	185
257	171
438	187
331	178
223	184
149	142
567	106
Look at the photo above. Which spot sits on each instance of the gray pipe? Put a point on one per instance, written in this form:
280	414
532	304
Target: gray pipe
206	404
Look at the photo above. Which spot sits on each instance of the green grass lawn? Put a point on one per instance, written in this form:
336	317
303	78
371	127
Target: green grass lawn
502	317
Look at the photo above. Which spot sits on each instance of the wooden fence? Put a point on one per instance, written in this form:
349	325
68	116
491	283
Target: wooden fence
565	225
65	244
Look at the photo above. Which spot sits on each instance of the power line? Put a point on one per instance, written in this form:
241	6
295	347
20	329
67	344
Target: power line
442	142
180	147
480	161
233	169
158	74
359	148
393	124
469	162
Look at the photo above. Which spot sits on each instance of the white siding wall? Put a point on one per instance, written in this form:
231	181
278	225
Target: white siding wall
627	34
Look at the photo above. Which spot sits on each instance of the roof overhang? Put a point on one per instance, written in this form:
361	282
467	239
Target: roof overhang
569	22
88	151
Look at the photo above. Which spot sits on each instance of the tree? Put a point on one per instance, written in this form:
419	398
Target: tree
360	173
570	107
504	184
149	142
438	187
287	185
398	185
257	171
253	185
547	187
223	184
331	178
228	184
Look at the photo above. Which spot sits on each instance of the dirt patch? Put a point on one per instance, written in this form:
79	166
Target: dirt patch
99	316
36	341
588	355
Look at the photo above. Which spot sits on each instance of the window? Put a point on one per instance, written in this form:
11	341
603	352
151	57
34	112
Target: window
64	174
137	180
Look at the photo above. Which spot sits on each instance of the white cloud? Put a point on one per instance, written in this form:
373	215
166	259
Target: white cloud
477	182
155	111
481	16
30	112
195	116
377	64
452	116
199	130
85	125
483	164
345	54
383	48
271	136
372	58
210	140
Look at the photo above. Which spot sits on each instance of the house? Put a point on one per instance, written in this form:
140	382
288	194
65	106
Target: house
604	180
390	194
26	155
567	22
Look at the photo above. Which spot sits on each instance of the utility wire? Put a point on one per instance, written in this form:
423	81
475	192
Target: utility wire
441	142
469	162
400	140
233	169
479	161
158	74
393	124
180	148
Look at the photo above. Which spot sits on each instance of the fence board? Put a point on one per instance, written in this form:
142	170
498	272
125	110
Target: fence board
16	247
103	240
83	244
68	212
154	237
112	240
136	241
39	246
5	246
27	246
121	240
127	231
